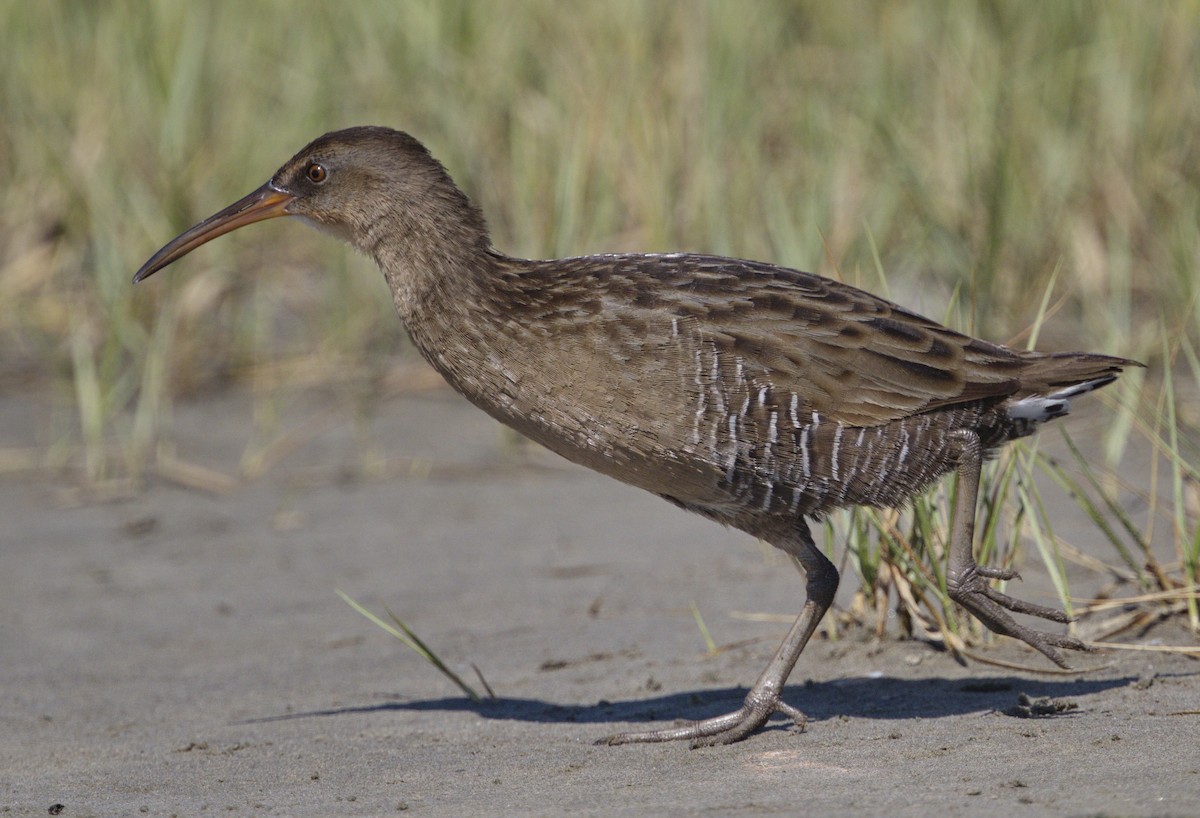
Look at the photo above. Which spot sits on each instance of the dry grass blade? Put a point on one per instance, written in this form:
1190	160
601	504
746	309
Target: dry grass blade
1045	671
709	643
257	463
483	681
193	476
1173	595
921	614
1141	618
759	616
398	629
1181	650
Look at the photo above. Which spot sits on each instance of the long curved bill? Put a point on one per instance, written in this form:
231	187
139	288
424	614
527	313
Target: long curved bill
265	203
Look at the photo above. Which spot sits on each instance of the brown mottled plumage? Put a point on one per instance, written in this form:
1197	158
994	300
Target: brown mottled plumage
753	394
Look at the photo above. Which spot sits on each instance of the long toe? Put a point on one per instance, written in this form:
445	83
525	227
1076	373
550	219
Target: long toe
988	606
1020	606
997	573
726	729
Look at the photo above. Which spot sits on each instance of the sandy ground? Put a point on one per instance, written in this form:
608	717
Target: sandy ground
179	652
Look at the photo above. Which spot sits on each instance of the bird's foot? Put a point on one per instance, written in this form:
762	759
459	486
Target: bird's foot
968	587
726	729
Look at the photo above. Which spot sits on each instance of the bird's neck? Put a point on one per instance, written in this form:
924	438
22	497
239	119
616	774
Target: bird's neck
441	286
428	252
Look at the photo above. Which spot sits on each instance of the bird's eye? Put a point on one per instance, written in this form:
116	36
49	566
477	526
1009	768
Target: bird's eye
316	173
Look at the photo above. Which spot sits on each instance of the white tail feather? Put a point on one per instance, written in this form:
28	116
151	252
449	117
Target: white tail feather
1040	408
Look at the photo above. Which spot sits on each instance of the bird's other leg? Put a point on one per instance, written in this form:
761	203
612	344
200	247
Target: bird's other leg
764	698
967	581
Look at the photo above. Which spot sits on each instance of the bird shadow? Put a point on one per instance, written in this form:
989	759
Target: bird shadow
880	697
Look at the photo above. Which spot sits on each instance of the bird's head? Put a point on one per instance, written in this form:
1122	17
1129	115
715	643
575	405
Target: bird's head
364	185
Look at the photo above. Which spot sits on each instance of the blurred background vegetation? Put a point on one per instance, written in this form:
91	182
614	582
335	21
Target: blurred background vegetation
991	158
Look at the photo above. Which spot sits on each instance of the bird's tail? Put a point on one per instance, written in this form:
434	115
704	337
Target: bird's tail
1050	381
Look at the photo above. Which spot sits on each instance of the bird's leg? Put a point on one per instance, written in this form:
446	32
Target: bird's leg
763	700
967	581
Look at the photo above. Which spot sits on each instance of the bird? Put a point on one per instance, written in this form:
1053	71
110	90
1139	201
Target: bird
758	396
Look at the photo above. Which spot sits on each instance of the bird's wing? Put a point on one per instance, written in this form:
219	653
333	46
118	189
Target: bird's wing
851	356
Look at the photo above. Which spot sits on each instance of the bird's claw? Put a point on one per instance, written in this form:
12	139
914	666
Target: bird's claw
997	573
970	589
726	729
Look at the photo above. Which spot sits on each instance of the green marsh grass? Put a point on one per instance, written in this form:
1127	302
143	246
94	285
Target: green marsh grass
963	153
398	629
